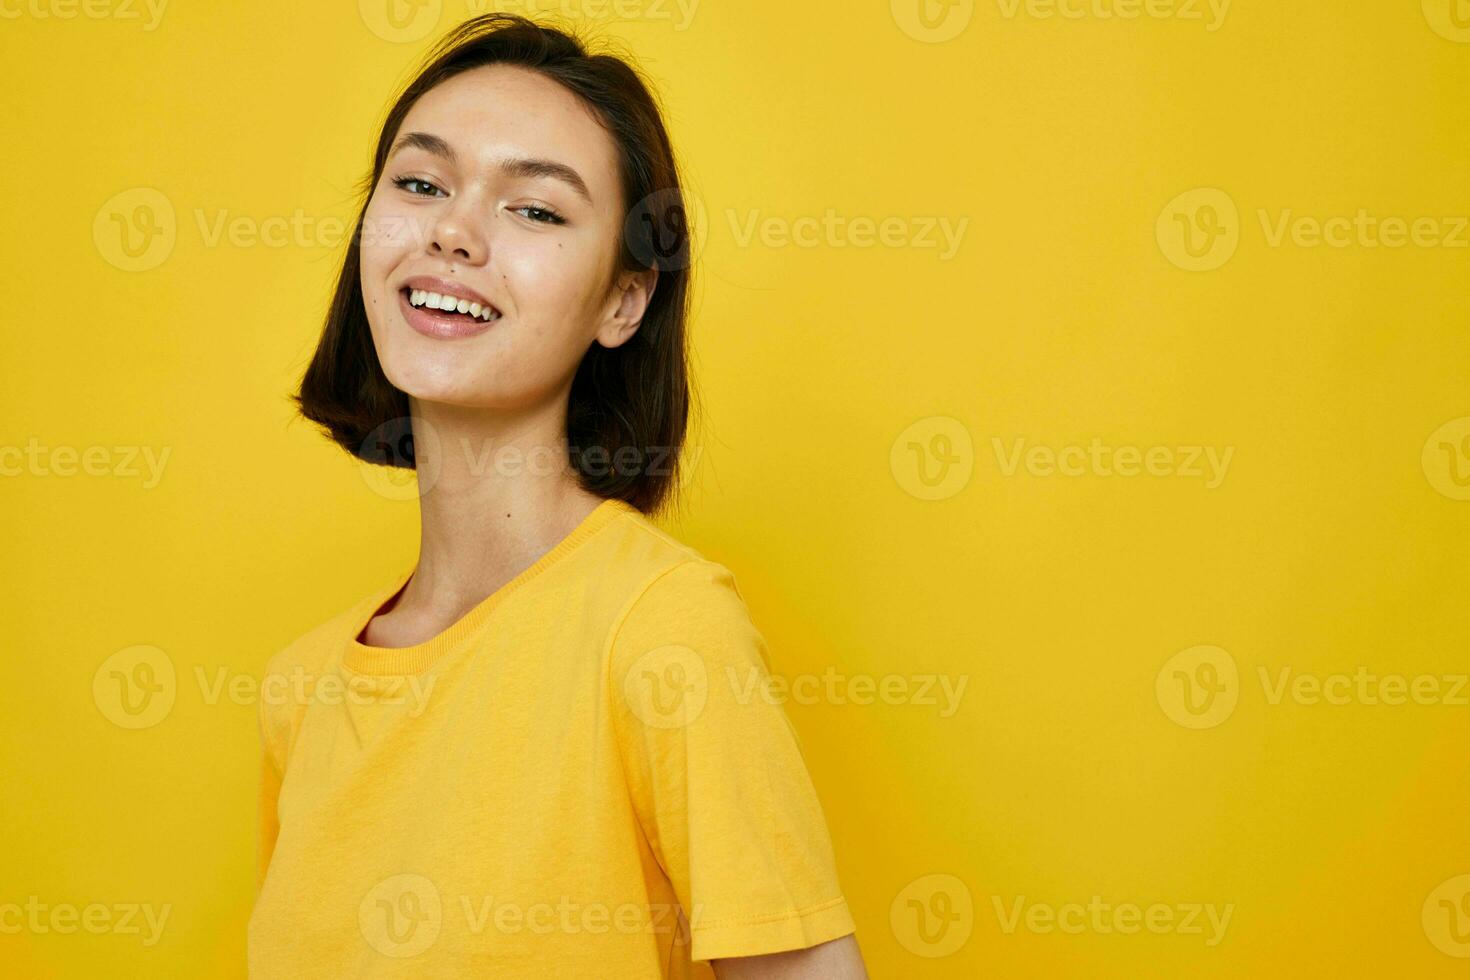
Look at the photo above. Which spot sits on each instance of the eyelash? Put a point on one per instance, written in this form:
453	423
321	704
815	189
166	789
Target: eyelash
403	182
552	217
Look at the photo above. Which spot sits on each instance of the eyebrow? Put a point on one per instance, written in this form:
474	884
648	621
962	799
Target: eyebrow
530	167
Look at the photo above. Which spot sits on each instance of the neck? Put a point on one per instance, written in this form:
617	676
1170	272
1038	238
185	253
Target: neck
496	492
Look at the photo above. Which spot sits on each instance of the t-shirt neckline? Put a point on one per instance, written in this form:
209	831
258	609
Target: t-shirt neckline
378	661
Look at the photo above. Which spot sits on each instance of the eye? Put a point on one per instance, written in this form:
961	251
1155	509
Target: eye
406	182
540	215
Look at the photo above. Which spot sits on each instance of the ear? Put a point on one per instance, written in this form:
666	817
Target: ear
630	297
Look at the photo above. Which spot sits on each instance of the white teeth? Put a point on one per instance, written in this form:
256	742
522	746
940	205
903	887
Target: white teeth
450	304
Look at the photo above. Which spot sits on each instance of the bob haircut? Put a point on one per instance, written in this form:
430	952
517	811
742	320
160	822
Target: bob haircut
628	408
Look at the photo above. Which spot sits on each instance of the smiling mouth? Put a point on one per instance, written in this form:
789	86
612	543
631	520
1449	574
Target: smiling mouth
450	307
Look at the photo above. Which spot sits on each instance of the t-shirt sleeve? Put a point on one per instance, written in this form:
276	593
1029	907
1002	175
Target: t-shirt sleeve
267	826
716	771
272	769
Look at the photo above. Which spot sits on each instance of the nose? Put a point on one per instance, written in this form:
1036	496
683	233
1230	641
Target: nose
457	235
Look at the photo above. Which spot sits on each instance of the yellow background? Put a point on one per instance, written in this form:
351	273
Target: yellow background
1336	540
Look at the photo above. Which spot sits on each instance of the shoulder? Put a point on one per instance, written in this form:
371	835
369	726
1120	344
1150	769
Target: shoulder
667	573
310	654
656	572
312	650
292	671
695	586
635	536
690	612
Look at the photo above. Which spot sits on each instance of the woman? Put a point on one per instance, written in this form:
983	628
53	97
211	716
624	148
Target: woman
544	751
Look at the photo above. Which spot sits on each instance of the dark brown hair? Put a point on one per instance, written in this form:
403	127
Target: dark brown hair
628	407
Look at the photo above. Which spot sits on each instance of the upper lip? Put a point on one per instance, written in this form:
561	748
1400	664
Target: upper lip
447	287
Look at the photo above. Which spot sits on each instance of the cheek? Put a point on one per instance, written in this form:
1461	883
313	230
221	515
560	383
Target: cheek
384	241
561	277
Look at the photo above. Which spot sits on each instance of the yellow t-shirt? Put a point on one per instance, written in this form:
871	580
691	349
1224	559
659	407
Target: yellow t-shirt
583	777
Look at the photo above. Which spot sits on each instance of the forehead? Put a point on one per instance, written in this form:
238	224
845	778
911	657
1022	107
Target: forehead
497	112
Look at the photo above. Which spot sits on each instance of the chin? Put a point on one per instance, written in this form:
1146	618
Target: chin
433	385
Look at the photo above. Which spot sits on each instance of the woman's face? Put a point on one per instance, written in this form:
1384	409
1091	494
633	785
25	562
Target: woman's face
501	189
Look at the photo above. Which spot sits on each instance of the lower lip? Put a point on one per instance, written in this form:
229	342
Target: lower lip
441	325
